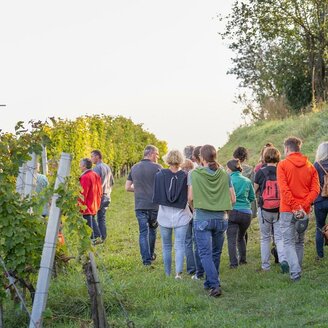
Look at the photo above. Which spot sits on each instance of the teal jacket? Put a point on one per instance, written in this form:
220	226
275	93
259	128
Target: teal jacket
244	191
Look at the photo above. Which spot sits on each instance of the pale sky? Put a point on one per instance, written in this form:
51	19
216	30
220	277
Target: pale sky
161	63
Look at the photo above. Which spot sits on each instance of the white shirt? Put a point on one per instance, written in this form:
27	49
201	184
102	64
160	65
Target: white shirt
171	217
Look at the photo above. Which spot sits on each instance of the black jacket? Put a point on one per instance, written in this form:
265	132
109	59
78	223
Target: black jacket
170	189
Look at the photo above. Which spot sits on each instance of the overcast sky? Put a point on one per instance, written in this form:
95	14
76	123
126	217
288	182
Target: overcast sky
161	63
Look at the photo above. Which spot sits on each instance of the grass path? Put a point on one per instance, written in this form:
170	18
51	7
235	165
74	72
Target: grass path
249	299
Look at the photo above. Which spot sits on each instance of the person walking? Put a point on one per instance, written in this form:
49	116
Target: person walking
140	181
211	193
265	184
91	197
170	192
241	215
299	186
321	202
107	181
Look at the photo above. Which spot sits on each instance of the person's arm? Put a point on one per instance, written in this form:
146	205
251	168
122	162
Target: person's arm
256	187
190	197
232	195
129	186
251	194
314	190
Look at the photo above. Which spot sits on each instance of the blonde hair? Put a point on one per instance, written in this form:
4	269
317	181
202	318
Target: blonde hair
322	152
173	157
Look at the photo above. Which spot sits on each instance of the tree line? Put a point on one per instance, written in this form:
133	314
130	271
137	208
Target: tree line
280	49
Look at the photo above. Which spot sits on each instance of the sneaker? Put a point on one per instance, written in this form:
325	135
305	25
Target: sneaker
153	258
297	279
319	258
242	262
284	267
215	292
195	277
97	241
178	277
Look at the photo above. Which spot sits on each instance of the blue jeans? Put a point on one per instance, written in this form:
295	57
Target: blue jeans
210	237
92	223
189	250
147	220
321	212
179	247
193	261
101	216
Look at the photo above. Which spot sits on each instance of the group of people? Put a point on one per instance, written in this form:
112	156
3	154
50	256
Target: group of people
200	201
96	186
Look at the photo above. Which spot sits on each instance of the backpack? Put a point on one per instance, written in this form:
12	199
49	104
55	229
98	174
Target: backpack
324	188
270	195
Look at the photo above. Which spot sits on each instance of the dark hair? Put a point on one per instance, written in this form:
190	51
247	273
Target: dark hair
188	151
240	153
293	144
196	153
87	163
208	153
269	144
97	153
271	155
234	165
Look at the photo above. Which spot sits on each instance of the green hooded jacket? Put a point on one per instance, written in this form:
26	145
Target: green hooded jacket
211	189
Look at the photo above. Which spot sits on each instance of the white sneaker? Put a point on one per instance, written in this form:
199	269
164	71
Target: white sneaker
194	277
178	276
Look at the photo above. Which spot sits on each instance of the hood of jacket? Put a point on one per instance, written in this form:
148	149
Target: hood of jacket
297	159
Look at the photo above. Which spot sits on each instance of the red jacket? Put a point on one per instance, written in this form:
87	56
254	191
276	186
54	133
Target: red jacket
92	192
298	183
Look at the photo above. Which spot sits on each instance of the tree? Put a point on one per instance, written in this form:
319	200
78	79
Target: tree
280	48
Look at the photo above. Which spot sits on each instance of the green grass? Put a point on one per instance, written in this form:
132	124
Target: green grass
249	299
312	128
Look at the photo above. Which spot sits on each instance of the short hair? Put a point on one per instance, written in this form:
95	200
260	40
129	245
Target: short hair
188	151
271	155
322	152
240	153
87	162
187	165
97	153
149	150
196	153
234	165
173	157
293	144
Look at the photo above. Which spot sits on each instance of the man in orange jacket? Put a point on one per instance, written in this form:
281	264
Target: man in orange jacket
91	196
299	186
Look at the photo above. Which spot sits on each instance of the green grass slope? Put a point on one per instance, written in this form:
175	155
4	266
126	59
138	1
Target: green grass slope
312	128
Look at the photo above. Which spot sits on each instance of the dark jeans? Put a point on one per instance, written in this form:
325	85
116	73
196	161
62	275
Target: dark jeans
101	216
92	223
321	212
237	227
210	237
194	264
147	220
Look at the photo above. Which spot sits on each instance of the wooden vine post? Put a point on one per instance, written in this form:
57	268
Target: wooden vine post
95	293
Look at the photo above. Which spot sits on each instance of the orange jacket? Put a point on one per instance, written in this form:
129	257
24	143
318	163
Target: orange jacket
298	183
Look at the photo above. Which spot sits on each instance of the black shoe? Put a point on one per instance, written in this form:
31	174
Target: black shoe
215	292
242	262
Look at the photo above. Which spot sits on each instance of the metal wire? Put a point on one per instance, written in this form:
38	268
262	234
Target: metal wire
12	283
